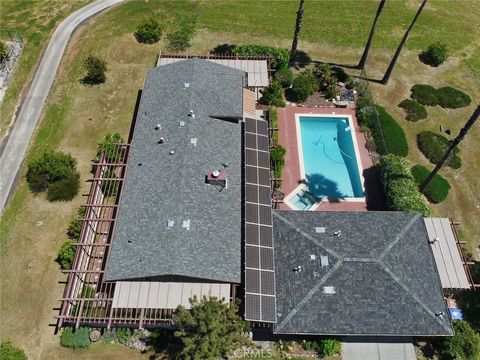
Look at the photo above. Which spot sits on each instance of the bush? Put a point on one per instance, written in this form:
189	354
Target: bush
96	68
149	31
279	57
302	88
451	98
75	339
109	146
433	146
180	38
49	168
10	352
329	347
110	187
73	231
464	345
284	76
400	188
274	124
435	54
277	155
273	95
393	134
65	189
415	111
438	188
424	94
66	254
123	334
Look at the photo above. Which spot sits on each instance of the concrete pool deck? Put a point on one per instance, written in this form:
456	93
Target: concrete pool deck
291	177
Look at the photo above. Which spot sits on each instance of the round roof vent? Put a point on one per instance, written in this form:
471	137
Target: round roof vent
215	173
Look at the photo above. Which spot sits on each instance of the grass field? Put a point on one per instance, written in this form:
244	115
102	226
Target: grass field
77	116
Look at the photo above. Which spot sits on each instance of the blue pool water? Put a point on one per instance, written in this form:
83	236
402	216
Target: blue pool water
331	168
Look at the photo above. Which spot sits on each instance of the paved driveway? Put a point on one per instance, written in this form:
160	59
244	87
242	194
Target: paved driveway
30	111
373	348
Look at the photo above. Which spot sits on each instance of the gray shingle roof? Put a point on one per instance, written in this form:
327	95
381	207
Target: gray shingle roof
172	187
380	266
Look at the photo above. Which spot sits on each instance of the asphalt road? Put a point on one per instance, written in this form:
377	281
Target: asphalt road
26	122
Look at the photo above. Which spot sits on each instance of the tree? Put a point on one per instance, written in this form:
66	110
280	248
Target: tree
272	95
64	189
109	147
298	27
386	77
211	329
435	54
464	345
180	38
149	31
96	68
3	51
10	352
363	59
452	147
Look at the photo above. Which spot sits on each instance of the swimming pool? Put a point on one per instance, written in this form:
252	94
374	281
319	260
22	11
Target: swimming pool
329	160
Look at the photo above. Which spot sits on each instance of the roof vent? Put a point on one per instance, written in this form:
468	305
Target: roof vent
186	85
316	274
158	127
171	152
337	233
433	241
193	141
186	224
324	261
170	223
312	257
319	229
191	114
440	314
328	290
217	178
161	140
181	123
297	269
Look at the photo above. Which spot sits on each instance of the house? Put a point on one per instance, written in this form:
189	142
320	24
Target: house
194	217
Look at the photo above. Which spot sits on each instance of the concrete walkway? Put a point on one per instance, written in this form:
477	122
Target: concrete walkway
373	348
30	110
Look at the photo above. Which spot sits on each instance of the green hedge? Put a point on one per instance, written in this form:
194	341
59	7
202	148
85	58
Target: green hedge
284	76
464	345
452	98
400	188
274	124
424	94
66	254
280	57
393	134
433	146
75	339
437	190
415	111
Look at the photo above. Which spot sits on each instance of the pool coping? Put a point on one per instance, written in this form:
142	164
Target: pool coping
292	175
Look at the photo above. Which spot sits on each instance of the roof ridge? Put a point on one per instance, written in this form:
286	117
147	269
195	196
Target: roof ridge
399	236
307	236
307	297
413	295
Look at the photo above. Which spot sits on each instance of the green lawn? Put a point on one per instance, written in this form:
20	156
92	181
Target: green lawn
77	116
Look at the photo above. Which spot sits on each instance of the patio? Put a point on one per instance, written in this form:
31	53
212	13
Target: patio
291	177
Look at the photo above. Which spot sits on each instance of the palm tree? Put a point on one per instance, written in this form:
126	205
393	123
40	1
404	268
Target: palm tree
298	26
363	60
386	77
452	146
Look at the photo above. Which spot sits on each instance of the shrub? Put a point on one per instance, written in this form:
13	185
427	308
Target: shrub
123	334
400	188
284	76
272	95
10	352
274	124
3	51
279	57
64	189
149	31
415	111
438	188
302	88
96	68
49	168
109	146
464	345
362	102
435	54
392	133
66	254
73	231
424	94
75	339
329	347
277	154
452	98
180	38
110	187
433	146
323	71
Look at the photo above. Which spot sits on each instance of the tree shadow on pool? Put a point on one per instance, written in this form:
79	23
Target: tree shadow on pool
321	187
